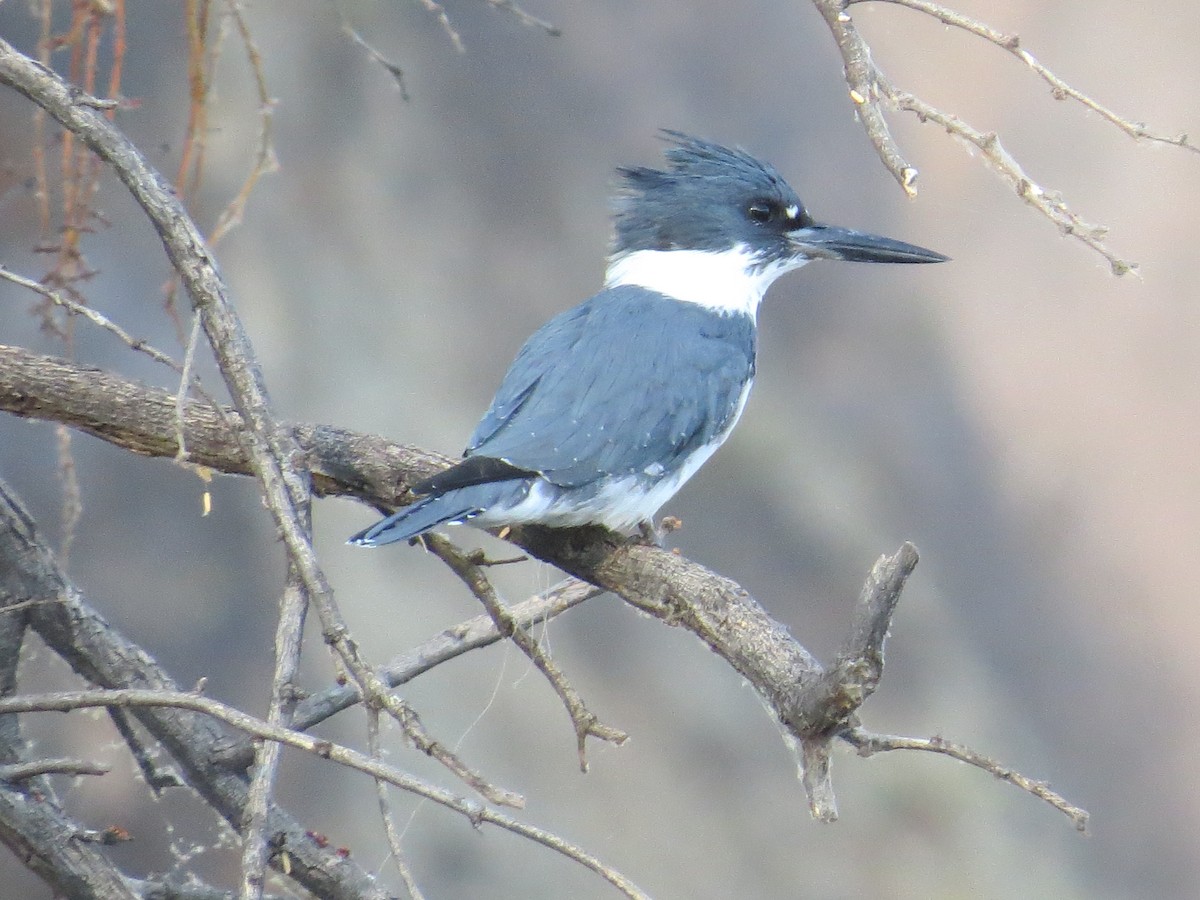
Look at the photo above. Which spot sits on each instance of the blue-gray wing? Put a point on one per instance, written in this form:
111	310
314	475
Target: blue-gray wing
626	383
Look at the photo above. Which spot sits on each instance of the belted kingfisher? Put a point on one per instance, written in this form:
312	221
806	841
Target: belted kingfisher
611	406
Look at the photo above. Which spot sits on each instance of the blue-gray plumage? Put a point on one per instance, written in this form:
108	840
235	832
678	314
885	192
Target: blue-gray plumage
611	406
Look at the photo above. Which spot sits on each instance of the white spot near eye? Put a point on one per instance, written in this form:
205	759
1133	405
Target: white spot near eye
792	211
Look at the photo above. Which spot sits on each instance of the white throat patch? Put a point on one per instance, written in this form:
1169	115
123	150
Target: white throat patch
725	281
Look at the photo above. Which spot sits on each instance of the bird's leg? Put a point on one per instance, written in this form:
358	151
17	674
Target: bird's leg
649	535
653	536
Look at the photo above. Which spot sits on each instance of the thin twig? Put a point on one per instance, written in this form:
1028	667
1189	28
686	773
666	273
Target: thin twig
449	644
26	604
289	634
524	17
1011	43
23	771
399	858
444	20
392	68
156	779
862	78
477	813
415	731
96	318
265	161
868	743
585	722
869	89
1049	203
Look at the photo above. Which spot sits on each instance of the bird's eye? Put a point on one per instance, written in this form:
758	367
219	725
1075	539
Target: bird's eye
759	212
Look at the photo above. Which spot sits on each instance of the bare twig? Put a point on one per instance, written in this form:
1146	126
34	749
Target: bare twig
862	78
156	779
67	701
392	68
265	161
868	743
447	645
25	604
869	89
1049	203
585	722
289	632
23	771
92	315
415	731
1011	43
399	858
525	18
444	20
450	644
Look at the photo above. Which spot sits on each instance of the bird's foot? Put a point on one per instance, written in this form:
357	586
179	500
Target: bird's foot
652	536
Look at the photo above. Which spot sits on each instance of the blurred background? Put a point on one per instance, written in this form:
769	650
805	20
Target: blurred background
1028	420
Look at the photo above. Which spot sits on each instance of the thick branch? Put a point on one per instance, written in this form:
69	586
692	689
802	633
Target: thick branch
669	586
37	831
103	657
813	706
141	419
859	666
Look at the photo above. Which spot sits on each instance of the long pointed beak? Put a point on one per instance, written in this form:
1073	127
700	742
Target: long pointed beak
831	242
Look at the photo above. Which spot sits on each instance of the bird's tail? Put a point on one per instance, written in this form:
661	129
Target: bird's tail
450	508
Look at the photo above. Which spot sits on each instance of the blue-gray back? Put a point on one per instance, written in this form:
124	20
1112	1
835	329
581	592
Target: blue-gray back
627	380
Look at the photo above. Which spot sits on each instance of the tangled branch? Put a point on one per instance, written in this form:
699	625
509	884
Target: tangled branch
870	90
815	706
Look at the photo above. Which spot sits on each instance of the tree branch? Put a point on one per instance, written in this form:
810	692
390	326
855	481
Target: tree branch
448	644
129	698
813	706
95	651
271	453
586	723
869	89
23	771
868	744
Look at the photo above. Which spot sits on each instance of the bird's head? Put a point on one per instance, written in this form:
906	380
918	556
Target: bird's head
715	216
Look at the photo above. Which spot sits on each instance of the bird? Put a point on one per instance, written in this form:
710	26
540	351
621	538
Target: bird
610	407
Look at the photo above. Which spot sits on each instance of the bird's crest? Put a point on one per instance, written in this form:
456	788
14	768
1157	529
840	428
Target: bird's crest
695	158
